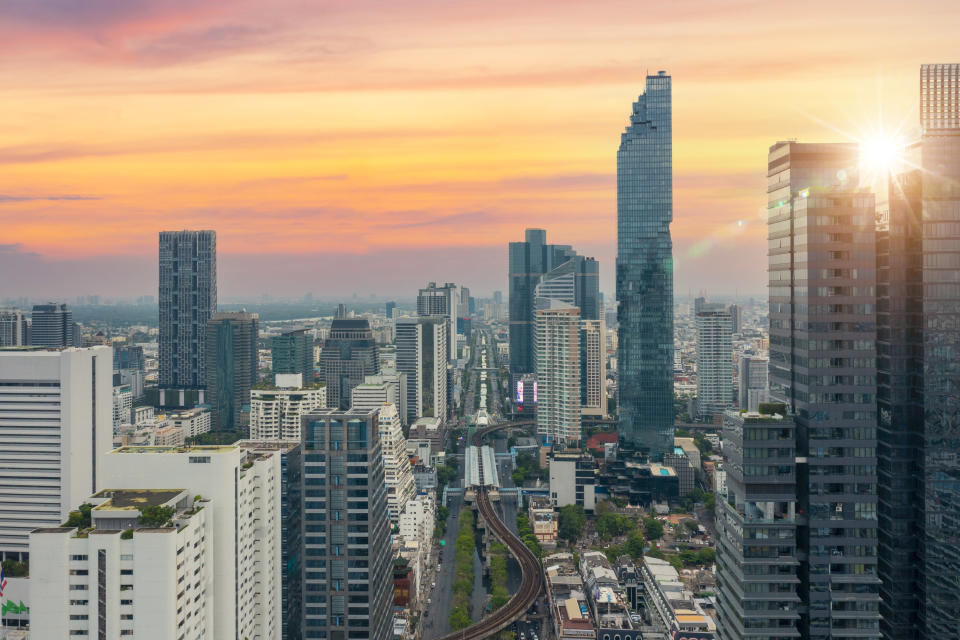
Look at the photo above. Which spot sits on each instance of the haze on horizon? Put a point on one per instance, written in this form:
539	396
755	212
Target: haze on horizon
371	147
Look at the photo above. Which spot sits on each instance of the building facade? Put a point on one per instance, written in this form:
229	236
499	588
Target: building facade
187	300
645	272
346	546
292	352
56	425
12	328
52	326
276	410
714	360
231	367
822	273
752	382
593	368
758	578
558	373
349	354
397	472
421	356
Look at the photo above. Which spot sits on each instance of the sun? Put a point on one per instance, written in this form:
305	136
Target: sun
882	155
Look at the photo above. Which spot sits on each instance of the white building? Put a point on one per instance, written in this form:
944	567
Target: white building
572	479
714	360
192	422
398	475
143	415
672	602
275	410
122	403
244	488
11	328
56	425
151	581
418	519
422	357
752	382
558	372
384	387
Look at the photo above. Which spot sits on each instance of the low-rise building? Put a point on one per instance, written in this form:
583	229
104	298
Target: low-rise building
690	449
430	429
642	483
425	478
672	604
573	479
143	568
543	520
680	463
168	436
567	599
610	603
122	403
193	422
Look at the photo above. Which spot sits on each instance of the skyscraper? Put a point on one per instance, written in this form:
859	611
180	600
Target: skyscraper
645	272
434	301
714	360
188	299
231	367
349	355
346	545
593	368
558	372
56	419
421	345
752	382
940	151
12	328
390	307
52	326
292	352
822	274
900	405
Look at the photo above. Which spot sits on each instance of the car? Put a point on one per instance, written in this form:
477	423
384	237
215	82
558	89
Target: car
433	586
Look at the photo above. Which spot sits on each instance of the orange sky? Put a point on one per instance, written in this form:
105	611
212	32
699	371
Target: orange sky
391	131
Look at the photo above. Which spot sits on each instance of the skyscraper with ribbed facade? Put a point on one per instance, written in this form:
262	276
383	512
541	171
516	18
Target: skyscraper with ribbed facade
645	272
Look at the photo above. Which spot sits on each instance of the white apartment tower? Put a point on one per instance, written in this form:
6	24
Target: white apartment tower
593	368
398	475
714	360
151	581
275	411
244	488
56	425
558	371
11	328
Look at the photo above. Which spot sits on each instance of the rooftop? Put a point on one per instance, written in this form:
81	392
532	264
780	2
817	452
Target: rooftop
186	449
135	498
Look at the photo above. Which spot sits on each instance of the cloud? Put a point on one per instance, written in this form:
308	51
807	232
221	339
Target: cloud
8	198
443	221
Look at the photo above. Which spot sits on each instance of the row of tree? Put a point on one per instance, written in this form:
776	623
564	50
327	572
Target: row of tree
463	573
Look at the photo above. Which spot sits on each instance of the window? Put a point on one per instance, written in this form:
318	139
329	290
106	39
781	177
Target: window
199	459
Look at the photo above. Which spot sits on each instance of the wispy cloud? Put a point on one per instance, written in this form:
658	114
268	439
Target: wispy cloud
30	198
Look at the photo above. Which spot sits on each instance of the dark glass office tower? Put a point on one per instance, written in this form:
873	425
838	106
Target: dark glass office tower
822	275
292	352
347	586
940	151
645	272
52	326
349	355
232	361
900	404
188	299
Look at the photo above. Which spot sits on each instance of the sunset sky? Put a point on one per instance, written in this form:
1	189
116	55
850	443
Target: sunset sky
373	146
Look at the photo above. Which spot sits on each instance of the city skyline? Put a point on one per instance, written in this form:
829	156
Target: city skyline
194	95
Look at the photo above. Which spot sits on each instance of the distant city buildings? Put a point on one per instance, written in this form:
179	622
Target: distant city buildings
13	328
645	272
714	361
52	326
231	367
56	424
187	301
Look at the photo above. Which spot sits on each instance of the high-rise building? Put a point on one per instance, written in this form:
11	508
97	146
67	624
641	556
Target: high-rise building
291	528
188	300
822	274
645	272
444	301
752	382
292	352
421	348
558	372
382	389
758	543
736	317
389	309
231	367
346	546
12	328
244	493
714	360
52	326
349	355
593	368
398	475
940	151
275	410
900	405
56	424
130	578
533	264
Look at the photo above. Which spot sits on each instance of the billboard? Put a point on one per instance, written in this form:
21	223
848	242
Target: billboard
519	391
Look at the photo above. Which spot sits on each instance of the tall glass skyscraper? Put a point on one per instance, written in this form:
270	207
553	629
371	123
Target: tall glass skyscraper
645	272
940	151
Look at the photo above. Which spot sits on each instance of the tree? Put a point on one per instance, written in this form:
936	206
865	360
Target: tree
691	525
81	517
571	522
653	528
635	545
710	501
14	569
611	525
706	556
155	516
